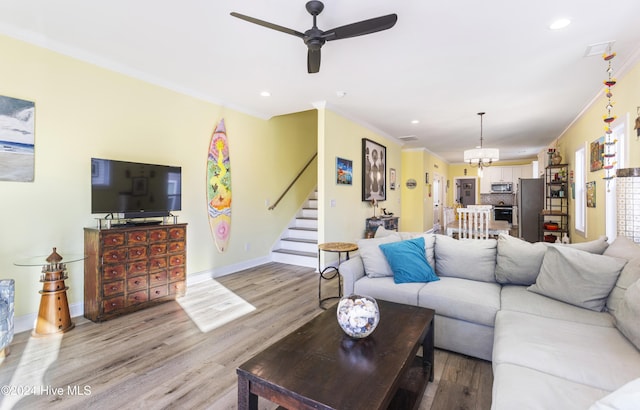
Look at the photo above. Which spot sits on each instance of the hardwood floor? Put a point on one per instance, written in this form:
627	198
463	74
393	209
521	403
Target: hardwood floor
159	358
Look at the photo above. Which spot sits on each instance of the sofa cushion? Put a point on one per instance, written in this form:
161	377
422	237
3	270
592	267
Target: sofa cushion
385	289
521	388
466	258
468	300
625	248
518	261
577	277
519	299
429	244
626	397
597	246
628	314
375	264
594	355
408	261
381	232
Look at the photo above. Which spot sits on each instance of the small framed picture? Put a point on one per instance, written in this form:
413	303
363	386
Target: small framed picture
392	179
344	171
591	194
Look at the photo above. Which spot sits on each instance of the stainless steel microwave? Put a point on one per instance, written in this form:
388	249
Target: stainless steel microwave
502	187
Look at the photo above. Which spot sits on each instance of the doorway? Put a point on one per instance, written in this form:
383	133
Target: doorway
465	191
438	199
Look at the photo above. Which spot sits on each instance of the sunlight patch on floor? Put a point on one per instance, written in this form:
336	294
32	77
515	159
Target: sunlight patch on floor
38	355
211	305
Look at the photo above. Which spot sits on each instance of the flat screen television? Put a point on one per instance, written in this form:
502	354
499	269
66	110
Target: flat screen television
134	190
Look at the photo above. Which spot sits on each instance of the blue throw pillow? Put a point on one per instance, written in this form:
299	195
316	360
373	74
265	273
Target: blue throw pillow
408	261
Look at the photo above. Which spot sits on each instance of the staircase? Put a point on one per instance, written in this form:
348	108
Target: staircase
298	244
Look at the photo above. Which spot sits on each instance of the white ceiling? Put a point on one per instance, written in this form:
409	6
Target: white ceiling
442	63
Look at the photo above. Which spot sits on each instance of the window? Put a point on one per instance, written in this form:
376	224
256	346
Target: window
611	214
580	220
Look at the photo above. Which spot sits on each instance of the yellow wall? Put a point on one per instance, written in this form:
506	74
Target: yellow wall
341	137
83	111
418	203
588	128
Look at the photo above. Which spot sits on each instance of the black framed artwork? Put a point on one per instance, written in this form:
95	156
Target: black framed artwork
374	171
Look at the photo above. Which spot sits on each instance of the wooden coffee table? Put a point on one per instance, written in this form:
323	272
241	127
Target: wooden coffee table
319	367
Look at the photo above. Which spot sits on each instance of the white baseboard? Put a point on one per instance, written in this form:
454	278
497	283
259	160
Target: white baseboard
248	264
27	322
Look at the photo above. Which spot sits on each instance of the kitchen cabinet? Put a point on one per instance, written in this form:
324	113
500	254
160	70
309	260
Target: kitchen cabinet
503	174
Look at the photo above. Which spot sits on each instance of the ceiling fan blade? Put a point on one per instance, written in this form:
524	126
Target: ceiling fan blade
268	25
313	61
361	28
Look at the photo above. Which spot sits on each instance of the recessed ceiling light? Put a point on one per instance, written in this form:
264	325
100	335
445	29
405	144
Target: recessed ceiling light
415	121
559	24
265	94
341	94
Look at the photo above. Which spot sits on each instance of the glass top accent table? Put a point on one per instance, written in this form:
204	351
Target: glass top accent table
53	314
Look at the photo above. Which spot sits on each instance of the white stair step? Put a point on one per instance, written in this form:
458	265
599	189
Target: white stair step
306	223
298	244
302	233
295	258
312	203
309	213
295	244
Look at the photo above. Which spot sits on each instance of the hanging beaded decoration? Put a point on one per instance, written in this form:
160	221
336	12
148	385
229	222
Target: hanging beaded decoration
609	154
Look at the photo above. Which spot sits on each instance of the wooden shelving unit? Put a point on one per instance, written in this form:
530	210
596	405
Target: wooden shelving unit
554	219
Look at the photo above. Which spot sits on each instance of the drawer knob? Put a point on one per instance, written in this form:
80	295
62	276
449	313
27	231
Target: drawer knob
113	303
114	288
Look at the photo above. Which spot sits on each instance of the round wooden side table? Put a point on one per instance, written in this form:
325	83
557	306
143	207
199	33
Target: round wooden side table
330	272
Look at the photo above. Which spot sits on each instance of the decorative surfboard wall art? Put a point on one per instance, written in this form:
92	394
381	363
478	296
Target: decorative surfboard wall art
219	187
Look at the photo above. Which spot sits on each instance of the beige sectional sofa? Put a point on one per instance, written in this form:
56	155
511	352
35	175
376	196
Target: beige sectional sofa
561	324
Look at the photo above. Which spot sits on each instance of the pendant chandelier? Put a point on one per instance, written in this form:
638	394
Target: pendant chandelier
481	157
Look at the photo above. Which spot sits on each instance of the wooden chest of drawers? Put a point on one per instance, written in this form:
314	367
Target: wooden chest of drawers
128	269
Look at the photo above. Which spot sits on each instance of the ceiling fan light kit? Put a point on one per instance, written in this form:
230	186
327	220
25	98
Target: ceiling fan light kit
314	38
481	157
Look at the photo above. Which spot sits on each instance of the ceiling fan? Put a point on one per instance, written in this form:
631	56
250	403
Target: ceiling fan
315	38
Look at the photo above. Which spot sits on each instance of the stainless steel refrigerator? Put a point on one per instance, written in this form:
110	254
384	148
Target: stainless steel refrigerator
530	203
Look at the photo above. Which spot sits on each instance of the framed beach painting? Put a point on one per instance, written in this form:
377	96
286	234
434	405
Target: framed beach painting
344	171
17	126
374	171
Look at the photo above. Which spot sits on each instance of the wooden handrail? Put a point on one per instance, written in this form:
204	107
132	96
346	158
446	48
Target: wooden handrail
293	182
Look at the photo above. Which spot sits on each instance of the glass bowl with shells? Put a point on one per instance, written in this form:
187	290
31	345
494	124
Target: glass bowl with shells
358	315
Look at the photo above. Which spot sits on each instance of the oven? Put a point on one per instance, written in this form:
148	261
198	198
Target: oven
503	213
